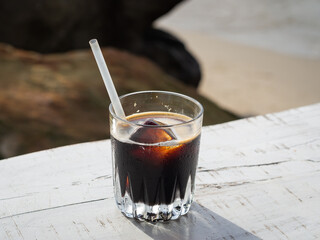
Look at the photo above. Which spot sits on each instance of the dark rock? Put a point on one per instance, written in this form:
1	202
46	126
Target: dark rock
170	54
51	100
48	26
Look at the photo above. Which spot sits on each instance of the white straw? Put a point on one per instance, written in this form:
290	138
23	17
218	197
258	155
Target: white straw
106	78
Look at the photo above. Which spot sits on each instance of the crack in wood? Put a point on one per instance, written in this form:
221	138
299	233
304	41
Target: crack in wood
51	208
51	226
280	231
311	160
8	234
233	184
104	177
18	230
305	143
101	223
293	194
242	166
26	195
280	119
202	169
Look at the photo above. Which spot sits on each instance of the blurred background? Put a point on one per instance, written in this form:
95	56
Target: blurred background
238	58
257	57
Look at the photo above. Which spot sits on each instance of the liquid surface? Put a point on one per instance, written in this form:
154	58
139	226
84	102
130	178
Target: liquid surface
159	131
166	118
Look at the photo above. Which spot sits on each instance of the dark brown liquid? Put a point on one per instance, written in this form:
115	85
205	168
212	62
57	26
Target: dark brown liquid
155	174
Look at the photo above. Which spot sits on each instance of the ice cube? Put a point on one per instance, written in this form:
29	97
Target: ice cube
151	134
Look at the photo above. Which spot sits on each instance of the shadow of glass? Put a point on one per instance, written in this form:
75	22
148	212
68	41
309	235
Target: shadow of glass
199	223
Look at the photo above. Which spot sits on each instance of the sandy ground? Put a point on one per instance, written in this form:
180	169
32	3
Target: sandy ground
252	66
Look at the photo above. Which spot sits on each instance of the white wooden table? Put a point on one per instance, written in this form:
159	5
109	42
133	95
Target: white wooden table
257	178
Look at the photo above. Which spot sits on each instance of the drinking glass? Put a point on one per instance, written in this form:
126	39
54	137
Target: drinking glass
155	154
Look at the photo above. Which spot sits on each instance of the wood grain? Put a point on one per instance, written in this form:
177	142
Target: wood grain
257	178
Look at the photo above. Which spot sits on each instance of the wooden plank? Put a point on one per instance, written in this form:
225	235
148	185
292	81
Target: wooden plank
257	177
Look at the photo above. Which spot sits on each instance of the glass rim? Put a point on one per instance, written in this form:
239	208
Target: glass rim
196	102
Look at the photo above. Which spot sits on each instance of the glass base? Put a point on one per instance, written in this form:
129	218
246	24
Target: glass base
153	213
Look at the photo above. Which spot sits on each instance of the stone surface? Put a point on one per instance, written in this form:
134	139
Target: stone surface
50	100
57	26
